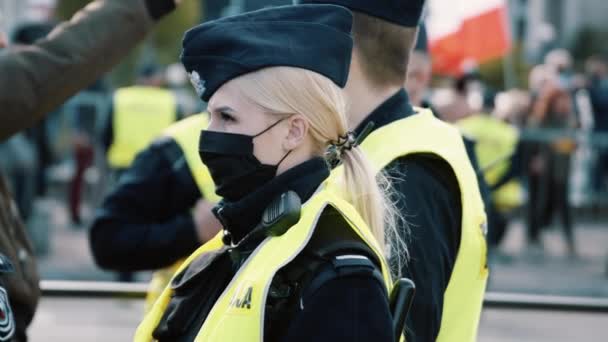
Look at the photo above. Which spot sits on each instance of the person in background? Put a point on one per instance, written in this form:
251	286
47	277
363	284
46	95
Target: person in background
85	117
515	108
151	108
452	104
34	80
437	188
26	155
596	69
559	62
549	164
582	190
160	211
28	34
19	164
148	106
499	151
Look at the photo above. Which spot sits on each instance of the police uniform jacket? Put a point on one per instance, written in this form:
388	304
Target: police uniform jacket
428	194
148	212
329	313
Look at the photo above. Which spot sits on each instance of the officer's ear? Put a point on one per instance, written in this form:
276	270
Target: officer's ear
297	131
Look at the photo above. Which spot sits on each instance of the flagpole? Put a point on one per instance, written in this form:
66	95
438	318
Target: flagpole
509	74
510	78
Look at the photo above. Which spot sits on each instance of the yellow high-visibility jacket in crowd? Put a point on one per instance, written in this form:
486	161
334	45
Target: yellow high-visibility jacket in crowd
496	141
140	115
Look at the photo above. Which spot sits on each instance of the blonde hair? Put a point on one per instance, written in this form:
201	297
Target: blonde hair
281	90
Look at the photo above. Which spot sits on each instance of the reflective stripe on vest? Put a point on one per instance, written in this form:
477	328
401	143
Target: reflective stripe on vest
495	140
140	114
238	314
186	134
423	133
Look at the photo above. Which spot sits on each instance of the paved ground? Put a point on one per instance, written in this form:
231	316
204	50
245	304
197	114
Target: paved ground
69	256
513	268
551	271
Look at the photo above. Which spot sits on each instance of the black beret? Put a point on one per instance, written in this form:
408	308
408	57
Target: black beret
401	12
312	37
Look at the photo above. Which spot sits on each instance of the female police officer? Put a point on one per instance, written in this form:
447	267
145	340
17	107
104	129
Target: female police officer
296	262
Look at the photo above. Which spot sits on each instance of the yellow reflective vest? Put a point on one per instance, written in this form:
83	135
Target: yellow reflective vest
496	142
423	133
140	115
229	321
186	134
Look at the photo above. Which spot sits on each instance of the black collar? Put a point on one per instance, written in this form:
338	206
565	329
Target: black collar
394	108
240	217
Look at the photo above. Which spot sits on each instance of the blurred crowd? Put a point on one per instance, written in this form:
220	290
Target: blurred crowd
541	150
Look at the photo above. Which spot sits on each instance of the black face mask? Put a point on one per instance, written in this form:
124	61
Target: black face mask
233	166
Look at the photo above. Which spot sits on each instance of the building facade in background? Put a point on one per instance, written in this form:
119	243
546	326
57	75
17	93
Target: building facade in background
544	24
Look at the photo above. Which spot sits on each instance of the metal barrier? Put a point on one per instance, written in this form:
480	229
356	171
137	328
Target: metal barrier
590	138
501	300
493	300
97	289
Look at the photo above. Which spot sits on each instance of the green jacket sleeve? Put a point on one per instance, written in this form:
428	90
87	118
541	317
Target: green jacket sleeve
36	79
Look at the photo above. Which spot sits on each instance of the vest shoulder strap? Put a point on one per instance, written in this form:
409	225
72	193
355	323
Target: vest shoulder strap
342	251
342	266
333	252
325	253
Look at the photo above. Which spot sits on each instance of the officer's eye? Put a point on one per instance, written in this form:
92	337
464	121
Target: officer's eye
227	117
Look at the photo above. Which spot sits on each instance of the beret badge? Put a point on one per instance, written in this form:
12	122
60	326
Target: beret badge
197	83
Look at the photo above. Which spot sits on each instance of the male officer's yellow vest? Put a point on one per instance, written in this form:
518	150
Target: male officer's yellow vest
186	134
495	140
423	133
238	314
140	114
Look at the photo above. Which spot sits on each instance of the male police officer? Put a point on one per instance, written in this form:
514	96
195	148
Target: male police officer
436	185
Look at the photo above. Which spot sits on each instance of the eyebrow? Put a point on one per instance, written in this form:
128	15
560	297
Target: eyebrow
223	109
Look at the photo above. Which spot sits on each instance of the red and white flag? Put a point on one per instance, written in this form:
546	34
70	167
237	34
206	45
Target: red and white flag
461	31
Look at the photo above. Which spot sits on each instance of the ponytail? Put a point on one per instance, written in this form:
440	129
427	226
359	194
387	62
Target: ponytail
369	191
